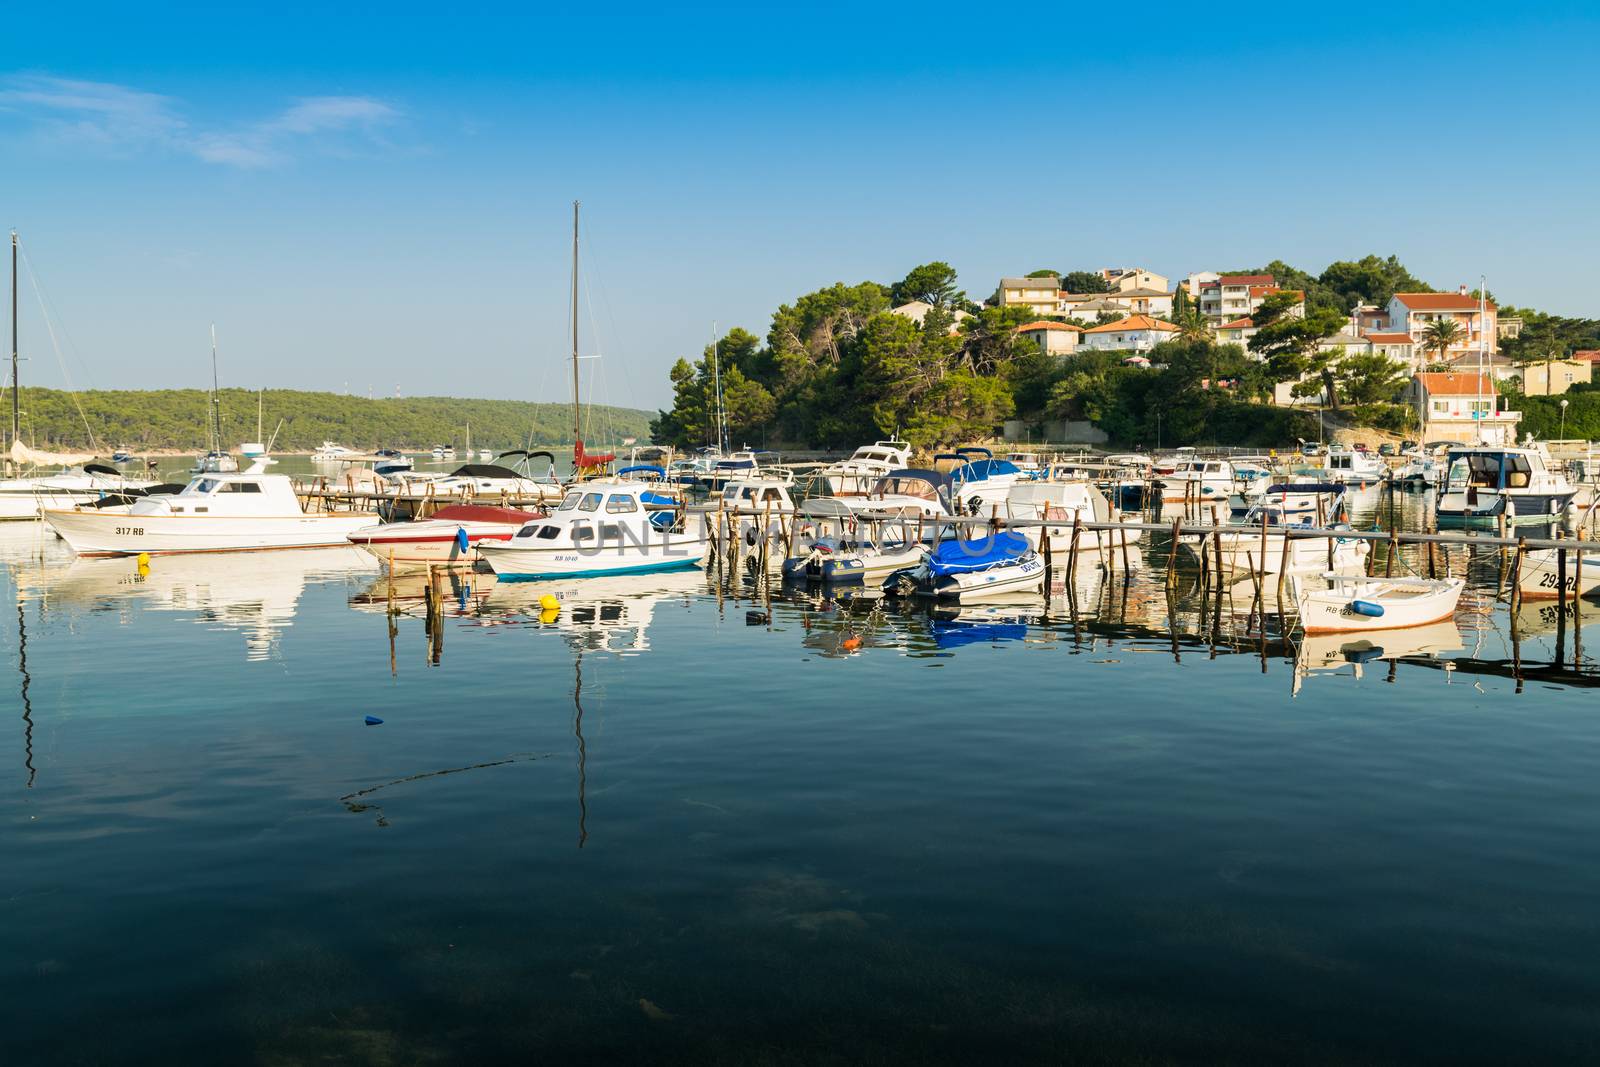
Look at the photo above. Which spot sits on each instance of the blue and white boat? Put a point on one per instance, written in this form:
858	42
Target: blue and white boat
604	527
1001	564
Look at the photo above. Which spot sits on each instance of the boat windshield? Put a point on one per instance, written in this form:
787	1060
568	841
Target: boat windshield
570	501
591	502
913	487
204	485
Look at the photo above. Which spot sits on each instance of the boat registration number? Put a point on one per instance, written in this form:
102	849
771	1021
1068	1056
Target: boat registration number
135	531
1553	581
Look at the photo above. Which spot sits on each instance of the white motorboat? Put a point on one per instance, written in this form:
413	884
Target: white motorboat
25	498
1540	576
449	537
1340	603
857	475
331	452
832	545
1420	470
910	493
1066	503
979	486
603	527
388	462
1484	482
213	513
1198	481
1348	466
215	461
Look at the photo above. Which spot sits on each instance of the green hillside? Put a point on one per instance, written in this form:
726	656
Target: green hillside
177	418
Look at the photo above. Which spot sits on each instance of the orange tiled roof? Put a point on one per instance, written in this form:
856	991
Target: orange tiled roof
1587	355
1439	302
1238	324
1379	338
1444	384
1134	322
1247	279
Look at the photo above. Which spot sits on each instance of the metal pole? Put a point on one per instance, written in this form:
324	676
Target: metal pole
16	384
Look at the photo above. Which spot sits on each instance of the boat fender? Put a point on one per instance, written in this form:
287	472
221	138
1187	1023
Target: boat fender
1367	608
461	538
755	618
373	720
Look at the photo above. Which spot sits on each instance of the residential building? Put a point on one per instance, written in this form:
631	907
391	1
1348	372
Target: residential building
1091	309
1234	296
1369	318
1197	281
1145	301
1586	355
1508	327
1396	346
1554	377
1413	313
1137	333
1500	368
1053	338
1462	407
1121	279
1238	332
917	310
1040	295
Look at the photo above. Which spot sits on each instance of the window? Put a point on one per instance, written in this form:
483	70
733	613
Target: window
620	504
239	487
570	501
582	533
548	533
590	502
204	485
610	532
1441	406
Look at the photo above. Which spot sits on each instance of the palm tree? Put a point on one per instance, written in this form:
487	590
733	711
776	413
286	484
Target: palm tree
1440	335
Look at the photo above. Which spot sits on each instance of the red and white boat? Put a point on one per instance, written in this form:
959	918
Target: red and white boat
447	538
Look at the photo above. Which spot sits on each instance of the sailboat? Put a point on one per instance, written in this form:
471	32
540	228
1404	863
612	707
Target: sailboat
79	480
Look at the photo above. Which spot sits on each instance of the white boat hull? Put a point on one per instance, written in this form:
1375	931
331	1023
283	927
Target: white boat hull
1027	575
1414	602
1540	575
660	552
95	533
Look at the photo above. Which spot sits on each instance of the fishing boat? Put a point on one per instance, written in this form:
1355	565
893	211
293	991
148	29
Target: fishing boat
1002	564
449	537
1484	482
1356	602
1540	575
214	513
603	527
857	475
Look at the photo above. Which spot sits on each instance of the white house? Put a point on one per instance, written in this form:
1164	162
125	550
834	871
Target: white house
1233	296
917	311
1238	332
1040	295
1197	281
1053	338
1396	346
1137	333
1145	301
1090	310
1462	407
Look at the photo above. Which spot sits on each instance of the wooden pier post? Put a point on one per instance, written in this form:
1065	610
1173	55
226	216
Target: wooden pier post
1072	549
1172	553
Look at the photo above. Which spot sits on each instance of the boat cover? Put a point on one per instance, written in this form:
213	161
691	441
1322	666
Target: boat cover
979	554
483	470
1307	487
978	470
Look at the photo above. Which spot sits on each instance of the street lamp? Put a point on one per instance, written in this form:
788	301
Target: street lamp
1563	433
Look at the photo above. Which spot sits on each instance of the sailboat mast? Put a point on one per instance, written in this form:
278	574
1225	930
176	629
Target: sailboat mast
716	384
216	401
577	421
1483	296
16	384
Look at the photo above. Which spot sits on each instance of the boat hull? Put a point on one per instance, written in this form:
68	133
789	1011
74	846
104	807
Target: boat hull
1327	611
1026	575
1540	575
1456	510
120	534
672	552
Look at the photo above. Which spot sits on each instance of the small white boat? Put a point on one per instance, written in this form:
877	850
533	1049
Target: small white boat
1064	503
485	455
1540	574
1348	466
603	527
486	481
980	483
909	493
832	546
1356	602
1198	481
213	513
857	475
215	461
449	537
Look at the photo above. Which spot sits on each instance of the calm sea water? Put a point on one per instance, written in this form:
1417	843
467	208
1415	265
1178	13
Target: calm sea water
1111	826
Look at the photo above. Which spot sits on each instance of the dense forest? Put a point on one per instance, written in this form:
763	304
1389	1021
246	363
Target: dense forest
178	418
836	368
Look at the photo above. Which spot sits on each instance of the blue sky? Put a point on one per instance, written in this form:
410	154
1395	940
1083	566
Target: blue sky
380	197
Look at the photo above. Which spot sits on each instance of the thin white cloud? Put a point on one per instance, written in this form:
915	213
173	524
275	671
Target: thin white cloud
122	119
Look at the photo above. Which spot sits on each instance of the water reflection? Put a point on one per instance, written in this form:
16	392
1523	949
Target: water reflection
27	699
254	593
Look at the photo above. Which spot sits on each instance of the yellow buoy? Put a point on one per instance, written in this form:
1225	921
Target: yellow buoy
549	603
144	559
